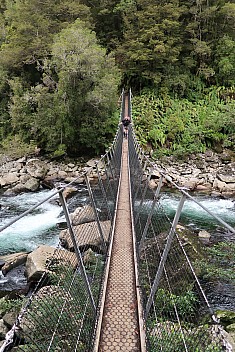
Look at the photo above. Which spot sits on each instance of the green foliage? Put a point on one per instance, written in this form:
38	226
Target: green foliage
14	146
57	83
72	110
166	303
60	151
168	335
169	338
88	81
67	294
219	262
179	126
29	28
7	305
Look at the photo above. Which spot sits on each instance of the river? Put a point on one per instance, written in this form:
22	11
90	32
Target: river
39	227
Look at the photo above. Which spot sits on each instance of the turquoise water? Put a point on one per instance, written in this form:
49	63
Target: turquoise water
195	216
38	227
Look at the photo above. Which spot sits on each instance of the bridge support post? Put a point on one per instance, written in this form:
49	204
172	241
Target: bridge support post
150	214
96	213
164	255
77	250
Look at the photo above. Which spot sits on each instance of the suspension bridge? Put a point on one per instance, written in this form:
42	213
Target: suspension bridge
128	282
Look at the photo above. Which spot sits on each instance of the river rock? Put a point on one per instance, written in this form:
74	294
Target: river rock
32	184
3	330
38	260
68	192
152	184
226	317
10	317
92	163
37	168
230	187
204	188
207	170
89	257
62	174
12	261
204	235
17	189
9	179
191	184
82	215
226	178
87	235
76	179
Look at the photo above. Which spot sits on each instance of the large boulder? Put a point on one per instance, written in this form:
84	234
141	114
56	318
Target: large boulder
87	235
37	168
204	236
68	192
12	261
82	215
9	179
3	330
46	302
38	260
226	178
32	184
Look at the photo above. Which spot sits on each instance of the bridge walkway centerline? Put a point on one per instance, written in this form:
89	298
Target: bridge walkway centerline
120	330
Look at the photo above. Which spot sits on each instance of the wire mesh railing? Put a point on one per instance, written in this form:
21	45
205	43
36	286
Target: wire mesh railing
178	315
61	312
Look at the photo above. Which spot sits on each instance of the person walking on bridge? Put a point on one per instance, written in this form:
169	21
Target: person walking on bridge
125	122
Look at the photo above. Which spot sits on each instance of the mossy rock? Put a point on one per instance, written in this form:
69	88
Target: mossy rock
227	317
231	328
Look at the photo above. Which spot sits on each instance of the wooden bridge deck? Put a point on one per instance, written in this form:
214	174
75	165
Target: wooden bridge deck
120	324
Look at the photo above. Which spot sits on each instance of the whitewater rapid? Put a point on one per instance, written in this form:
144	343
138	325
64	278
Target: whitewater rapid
38	227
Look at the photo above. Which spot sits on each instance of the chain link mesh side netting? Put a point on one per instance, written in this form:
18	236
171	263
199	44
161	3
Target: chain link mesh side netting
61	312
178	316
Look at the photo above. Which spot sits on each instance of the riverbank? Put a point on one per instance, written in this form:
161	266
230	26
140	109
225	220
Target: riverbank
30	174
48	174
212	173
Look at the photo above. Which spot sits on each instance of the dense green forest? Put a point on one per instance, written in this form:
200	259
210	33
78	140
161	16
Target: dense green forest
64	63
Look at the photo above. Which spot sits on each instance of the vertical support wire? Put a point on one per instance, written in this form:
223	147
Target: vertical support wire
141	178
108	181
103	192
164	255
77	251
174	305
149	219
96	213
142	199
111	171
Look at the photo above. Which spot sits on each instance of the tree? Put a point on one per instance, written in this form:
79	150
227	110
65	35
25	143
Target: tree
74	113
151	41
30	26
